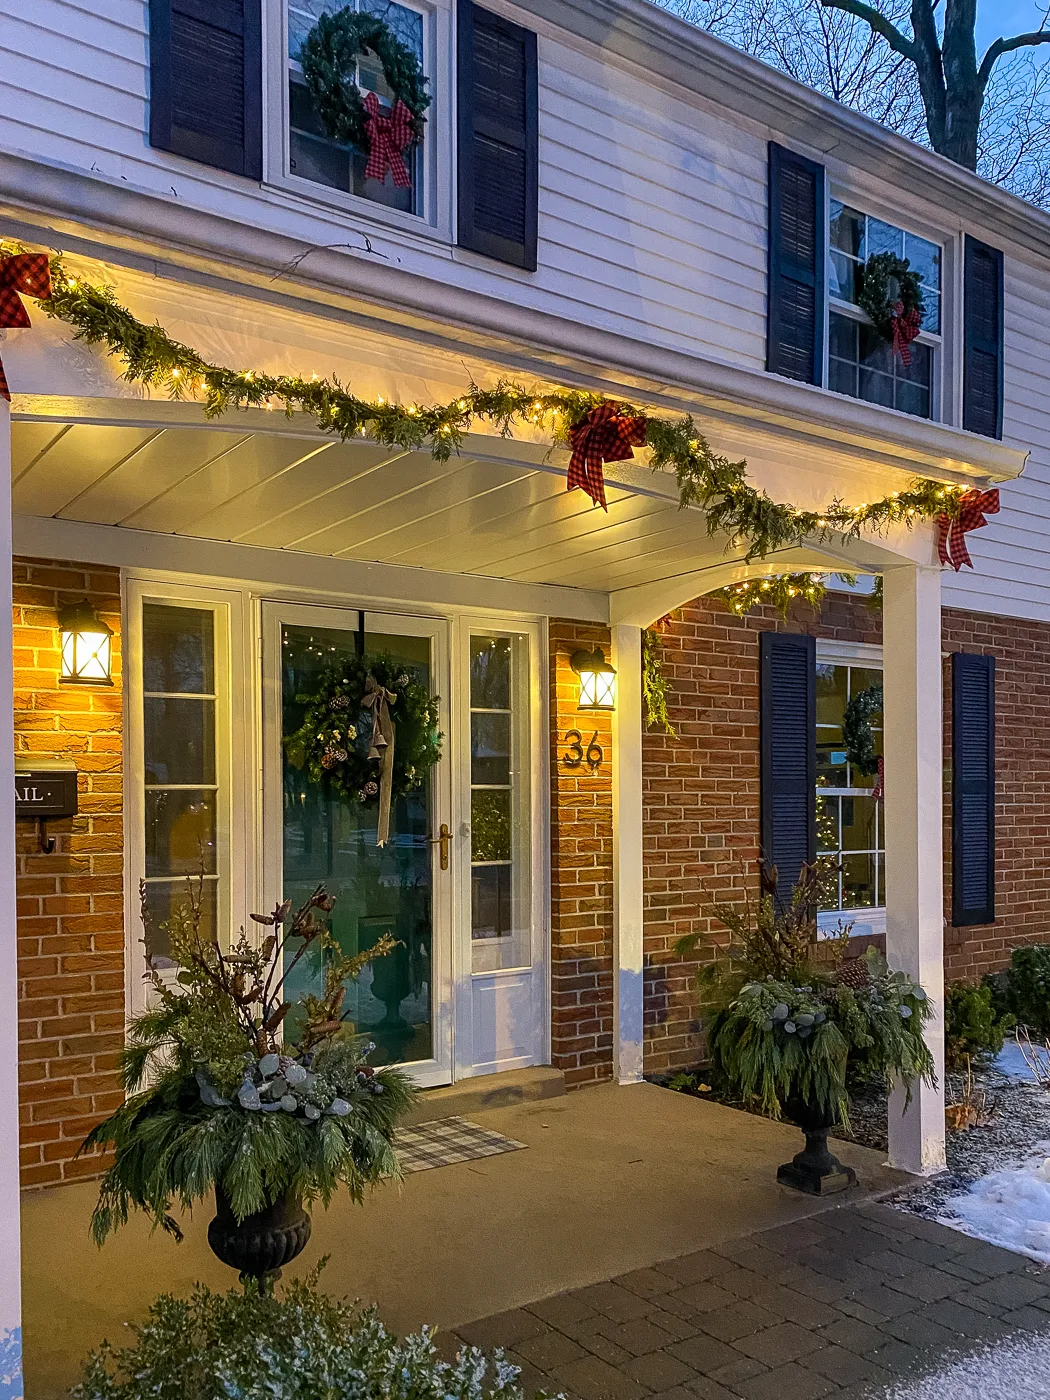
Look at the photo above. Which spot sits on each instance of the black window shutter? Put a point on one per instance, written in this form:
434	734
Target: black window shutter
983	339
795	316
788	713
973	789
205	59
498	142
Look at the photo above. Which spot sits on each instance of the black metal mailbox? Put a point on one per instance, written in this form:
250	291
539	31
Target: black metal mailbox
45	792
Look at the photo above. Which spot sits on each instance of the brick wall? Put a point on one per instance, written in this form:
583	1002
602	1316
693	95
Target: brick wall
1022	783
702	792
70	914
701	795
581	873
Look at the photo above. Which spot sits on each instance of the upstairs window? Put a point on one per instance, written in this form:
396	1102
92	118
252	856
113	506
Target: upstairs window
860	362
312	154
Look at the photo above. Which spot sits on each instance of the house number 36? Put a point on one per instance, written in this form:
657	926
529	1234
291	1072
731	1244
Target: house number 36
576	755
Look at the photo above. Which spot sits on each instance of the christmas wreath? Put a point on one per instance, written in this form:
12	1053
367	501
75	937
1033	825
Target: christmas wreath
857	734
328	57
891	294
369	730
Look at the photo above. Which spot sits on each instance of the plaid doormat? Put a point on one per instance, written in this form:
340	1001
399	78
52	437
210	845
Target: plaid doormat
444	1141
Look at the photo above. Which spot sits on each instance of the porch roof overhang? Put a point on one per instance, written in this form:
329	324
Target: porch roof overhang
89	451
499	511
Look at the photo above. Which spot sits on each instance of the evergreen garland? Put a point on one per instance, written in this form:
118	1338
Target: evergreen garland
883	281
857	734
780	591
706	480
332	741
655	685
328	56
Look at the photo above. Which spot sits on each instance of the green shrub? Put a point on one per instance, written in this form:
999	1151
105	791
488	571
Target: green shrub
301	1345
974	1028
1023	989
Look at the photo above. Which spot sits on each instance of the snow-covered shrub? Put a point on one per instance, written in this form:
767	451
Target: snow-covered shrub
301	1345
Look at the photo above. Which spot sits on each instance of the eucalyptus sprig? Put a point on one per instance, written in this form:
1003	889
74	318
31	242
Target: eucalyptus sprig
707	480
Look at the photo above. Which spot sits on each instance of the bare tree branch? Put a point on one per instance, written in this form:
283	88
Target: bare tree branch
1001	46
878	22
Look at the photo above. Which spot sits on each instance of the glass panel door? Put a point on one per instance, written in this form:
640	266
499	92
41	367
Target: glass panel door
325	837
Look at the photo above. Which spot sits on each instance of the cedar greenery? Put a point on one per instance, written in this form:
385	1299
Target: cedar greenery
655	685
780	591
225	1105
333	738
788	1018
884	280
328	56
706	480
299	1344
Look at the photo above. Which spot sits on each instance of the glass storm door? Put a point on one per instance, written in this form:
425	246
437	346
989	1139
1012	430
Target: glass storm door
317	836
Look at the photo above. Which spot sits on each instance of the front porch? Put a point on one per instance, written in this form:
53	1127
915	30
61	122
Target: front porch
274	525
613	1179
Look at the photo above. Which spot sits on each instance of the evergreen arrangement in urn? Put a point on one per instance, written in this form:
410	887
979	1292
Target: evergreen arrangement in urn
790	1019
217	1102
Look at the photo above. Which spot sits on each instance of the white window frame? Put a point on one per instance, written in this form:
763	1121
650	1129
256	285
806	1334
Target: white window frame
434	221
233	708
866	921
943	397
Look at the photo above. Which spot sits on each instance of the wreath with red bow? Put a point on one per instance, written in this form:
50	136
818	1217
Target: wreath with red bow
891	293
328	57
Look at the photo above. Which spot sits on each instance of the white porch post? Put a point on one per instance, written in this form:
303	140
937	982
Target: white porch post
10	1252
913	809
628	981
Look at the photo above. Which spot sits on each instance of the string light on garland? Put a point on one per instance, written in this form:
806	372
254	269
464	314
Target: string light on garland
707	481
779	591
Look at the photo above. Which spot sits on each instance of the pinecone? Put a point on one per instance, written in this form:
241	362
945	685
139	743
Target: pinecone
853	973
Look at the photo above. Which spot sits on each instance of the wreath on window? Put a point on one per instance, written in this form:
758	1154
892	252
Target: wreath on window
857	735
328	57
891	294
369	730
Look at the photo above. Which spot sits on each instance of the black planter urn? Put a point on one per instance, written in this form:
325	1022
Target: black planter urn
814	1170
260	1245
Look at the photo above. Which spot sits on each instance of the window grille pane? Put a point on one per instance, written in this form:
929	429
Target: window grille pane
313	155
500	821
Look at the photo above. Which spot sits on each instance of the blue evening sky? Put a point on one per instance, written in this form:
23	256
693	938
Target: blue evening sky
996	17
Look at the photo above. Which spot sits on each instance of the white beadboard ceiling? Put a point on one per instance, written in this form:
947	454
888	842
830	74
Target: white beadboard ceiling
500	509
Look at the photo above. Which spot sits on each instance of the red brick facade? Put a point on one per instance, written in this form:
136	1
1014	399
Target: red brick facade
581	873
70	903
702	792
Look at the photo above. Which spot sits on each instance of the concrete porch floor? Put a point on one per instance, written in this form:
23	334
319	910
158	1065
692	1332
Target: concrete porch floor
614	1179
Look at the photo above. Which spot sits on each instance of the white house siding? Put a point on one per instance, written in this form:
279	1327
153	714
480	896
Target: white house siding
652	212
1011	555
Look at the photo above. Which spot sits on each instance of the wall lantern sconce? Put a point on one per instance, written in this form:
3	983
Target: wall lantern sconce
87	646
597	680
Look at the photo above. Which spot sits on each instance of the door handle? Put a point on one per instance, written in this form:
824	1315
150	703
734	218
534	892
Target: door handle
443	837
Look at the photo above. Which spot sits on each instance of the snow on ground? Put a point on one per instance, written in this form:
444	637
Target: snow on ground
1010	1208
1013	1370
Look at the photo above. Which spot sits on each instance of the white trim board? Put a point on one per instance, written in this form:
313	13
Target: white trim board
308	574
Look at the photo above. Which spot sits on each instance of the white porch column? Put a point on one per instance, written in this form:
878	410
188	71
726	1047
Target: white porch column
913	809
10	1251
628	982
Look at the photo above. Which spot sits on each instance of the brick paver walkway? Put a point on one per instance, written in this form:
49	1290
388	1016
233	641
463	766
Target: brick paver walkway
839	1305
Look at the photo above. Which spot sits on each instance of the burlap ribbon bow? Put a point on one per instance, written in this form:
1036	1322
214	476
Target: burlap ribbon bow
605	435
381	746
906	326
29	273
389	133
952	529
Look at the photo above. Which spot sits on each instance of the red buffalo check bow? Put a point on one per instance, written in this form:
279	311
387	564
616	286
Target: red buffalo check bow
29	273
388	135
906	326
952	530
605	435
